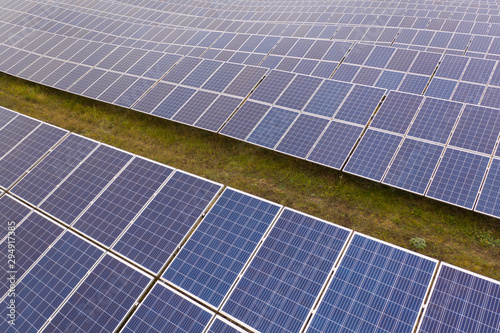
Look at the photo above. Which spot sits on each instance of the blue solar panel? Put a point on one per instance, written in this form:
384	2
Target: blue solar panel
174	101
162	66
376	288
346	72
134	92
50	281
37	233
272	127
491	97
477	129
397	112
441	88
220	325
73	195
14	132
325	69
337	51
201	73
117	88
195	107
373	154
478	70
413	165
151	100
302	135
358	54
435	120
244	120
210	261
414	84
217	114
40	181
425	63
380	56
14	164
223	77
367	76
11	210
272	86
489	202
335	144
360	104
6	116
182	70
115	208
299	92
401	60
468	93
462	301
165	222
458	178
390	80
328	98
88	79
279	288
103	300
164	310
103	83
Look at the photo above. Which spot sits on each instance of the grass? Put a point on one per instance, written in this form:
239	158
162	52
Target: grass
454	235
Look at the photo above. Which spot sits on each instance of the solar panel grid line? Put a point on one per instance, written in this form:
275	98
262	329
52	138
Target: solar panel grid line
465	298
214	326
76	292
324	284
20	202
344	257
21	117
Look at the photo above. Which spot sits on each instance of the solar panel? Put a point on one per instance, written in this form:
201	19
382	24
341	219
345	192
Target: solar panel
103	300
116	207
181	70
72	196
397	112
435	120
215	254
15	131
477	129
478	70
15	163
298	92
458	178
195	107
328	98
462	301
402	60
244	120
134	92
6	116
54	276
376	287
413	165
425	63
86	80
117	88
173	102
282	282
367	76
358	54
414	84
272	86
103	83
151	100
441	88
201	73
38	233
390	80
302	135
220	325
71	77
359	106
468	93
164	310
162	66
380	56
217	114
246	80
373	154
346	72
272	127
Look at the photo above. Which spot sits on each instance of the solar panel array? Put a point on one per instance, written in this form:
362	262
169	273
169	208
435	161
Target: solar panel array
302	78
152	249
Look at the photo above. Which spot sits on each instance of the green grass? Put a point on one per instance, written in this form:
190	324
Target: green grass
457	236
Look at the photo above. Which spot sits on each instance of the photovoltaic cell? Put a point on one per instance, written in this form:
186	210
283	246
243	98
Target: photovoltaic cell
15	131
246	81
40	181
56	274
103	83
181	70
328	98
195	107
373	155
162	66
402	60
174	101
441	88
367	76
390	80
217	114
335	144
380	56
397	112
478	70
164	310
103	300
86	81
376	288
425	63
165	222
73	195
324	69
358	54
38	233
299	92
489	202
462	301
11	211
280	287
14	164
477	129
413	165
154	97
210	261
360	104
244	120
458	178
201	73
302	135
451	67
491	97
134	92
115	208
220	325
272	127
435	120
272	86
468	93
346	72
117	88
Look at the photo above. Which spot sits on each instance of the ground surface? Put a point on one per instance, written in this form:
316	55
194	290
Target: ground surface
457	236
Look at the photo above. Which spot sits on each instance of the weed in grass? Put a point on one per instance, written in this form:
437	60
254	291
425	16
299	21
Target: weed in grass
418	243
